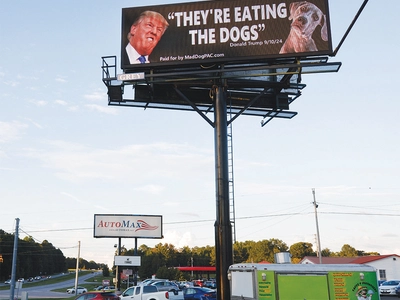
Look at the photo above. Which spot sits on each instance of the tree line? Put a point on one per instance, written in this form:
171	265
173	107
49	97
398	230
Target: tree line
35	259
162	259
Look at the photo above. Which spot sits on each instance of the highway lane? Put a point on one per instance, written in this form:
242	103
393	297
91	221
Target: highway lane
45	291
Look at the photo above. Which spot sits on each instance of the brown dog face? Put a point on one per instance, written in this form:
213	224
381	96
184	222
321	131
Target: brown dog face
305	18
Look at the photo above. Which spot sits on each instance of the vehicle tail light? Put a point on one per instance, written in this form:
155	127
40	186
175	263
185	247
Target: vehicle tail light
167	295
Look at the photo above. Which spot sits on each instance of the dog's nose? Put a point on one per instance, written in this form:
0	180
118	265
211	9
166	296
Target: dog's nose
302	20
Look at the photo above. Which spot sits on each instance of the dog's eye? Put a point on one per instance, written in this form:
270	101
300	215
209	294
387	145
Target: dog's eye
304	8
315	17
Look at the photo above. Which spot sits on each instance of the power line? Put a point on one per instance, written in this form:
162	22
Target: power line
238	218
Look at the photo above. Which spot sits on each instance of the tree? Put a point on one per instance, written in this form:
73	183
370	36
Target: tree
326	252
301	249
348	251
241	251
265	250
106	271
168	273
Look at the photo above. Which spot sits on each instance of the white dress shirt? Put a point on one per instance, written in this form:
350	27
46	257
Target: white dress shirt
134	55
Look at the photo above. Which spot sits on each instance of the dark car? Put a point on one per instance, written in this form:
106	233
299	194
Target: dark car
167	286
98	296
199	293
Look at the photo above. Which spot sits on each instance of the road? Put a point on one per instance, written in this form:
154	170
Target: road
45	291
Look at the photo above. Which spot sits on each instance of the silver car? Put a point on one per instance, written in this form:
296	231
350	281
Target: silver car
165	285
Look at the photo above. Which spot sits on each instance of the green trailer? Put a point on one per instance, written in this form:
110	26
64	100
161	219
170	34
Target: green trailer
303	282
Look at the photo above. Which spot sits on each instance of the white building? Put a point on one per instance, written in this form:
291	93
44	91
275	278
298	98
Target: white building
387	266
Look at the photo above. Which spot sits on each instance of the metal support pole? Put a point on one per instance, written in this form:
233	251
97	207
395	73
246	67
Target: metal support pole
223	228
118	275
135	268
14	260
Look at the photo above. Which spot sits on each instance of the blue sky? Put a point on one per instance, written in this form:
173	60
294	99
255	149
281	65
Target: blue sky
65	155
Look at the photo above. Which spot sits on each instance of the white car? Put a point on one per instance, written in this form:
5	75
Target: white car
80	290
388	287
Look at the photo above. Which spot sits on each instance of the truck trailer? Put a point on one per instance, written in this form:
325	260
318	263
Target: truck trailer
261	281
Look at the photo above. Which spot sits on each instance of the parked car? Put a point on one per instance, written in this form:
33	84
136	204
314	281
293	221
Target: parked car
21	280
151	280
397	291
198	282
388	287
199	293
211	284
98	296
7	281
80	290
380	282
185	284
167	286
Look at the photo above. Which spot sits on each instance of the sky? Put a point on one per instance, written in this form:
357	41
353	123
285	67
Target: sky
65	155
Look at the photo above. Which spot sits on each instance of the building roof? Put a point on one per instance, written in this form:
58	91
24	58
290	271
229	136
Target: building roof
367	259
198	269
345	260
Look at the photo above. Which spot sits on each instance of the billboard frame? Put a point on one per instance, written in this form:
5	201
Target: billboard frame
256	38
127	226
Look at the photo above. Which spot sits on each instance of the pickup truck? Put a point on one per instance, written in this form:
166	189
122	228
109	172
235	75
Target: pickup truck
146	292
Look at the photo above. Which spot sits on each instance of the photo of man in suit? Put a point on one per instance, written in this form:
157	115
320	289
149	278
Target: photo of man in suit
144	35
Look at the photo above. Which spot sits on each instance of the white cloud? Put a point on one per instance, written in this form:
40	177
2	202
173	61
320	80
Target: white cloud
10	131
139	163
73	108
178	239
39	102
60	102
60	79
98	95
11	83
102	109
151	189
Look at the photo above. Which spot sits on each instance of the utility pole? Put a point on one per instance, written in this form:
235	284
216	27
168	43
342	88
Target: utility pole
77	268
14	260
316	222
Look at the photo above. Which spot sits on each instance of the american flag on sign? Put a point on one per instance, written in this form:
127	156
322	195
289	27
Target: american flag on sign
145	226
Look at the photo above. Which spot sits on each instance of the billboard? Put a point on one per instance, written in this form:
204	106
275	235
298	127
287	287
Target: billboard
127	261
127	226
221	31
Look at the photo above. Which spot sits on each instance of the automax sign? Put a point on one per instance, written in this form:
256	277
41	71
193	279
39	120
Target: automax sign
128	226
217	31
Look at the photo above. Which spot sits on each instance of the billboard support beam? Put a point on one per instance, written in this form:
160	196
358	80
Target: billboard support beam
223	228
118	277
349	28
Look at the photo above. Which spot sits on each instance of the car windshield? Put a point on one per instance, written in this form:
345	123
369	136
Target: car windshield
391	282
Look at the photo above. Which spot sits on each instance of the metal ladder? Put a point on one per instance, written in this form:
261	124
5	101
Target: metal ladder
231	183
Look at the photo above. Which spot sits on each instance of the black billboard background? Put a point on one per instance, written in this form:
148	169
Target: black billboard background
175	46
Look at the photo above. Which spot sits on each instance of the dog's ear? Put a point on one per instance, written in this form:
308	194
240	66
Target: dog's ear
293	7
324	29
